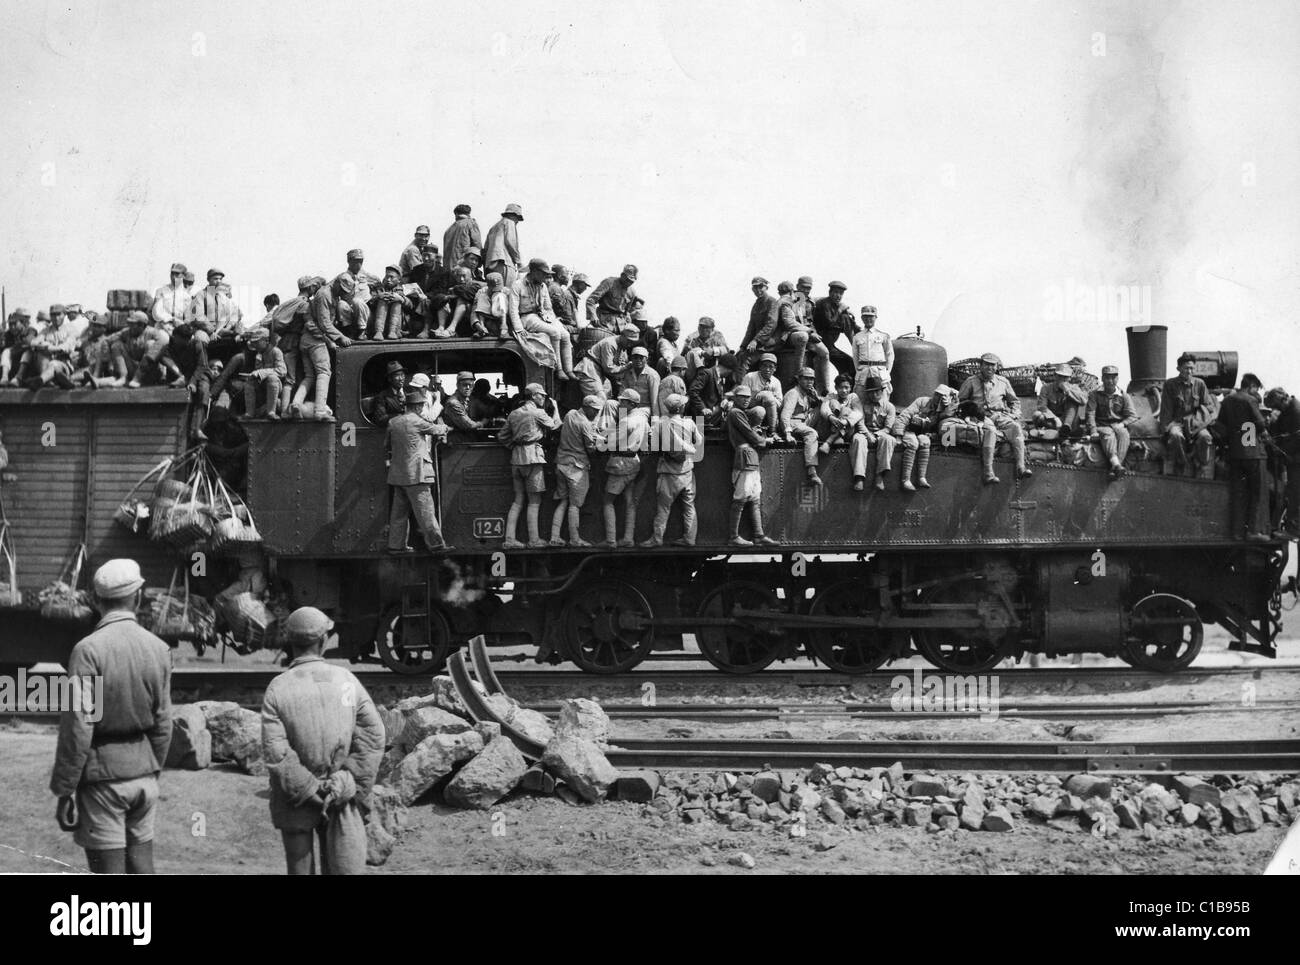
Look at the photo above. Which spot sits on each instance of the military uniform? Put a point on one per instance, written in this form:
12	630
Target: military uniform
874	434
1186	411
997	404
873	354
913	426
410	473
1108	415
800	416
679	442
1244	428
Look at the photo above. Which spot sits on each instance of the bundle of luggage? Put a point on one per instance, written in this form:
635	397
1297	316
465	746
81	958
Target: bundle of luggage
122	302
65	599
176	614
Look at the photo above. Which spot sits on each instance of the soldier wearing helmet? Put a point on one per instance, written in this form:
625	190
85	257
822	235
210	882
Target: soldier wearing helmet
322	740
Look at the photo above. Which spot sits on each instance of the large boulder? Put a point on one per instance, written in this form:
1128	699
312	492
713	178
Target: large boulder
581	764
212	708
1241	810
424	722
580	717
191	746
1089	785
430	761
237	738
1193	790
489	777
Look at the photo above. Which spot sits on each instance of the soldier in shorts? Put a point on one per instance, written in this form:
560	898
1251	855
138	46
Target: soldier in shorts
573	470
623	440
746	482
680	440
523	433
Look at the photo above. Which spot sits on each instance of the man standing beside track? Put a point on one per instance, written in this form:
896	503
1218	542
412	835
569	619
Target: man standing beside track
322	740
109	756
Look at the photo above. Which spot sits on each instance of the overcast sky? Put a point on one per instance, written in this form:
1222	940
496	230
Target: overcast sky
979	170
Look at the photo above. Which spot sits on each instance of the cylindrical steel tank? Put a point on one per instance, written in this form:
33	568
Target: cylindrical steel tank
1218	369
919	366
1148	350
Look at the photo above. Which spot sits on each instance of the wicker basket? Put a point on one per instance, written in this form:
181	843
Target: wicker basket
62	600
176	616
134	510
1023	379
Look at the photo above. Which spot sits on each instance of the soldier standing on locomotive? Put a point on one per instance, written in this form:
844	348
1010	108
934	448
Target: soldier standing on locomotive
642	379
1243	426
522	433
678	443
671	384
623	437
873	354
411	476
318	336
573	470
746	479
1285	430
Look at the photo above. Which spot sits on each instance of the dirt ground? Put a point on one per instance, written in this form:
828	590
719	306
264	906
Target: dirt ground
216	821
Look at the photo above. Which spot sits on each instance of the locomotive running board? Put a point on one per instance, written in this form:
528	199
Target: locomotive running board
481	712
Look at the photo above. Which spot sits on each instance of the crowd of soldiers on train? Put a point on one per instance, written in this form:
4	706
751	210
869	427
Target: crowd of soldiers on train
646	386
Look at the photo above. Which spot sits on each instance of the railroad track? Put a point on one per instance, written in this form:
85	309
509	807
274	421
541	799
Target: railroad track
1155	757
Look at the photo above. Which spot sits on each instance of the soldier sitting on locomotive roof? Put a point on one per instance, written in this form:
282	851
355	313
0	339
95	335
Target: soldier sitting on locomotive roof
1245	430
391	401
491	307
13	344
799	419
101	358
531	309
642	379
523	432
351	291
390	306
707	394
913	426
705	342
666	350
145	350
215	318
573	470
1109	414
598	373
435	282
746	480
876	428
766	388
1284	427
996	401
671	384
1061	402
171	303
841	415
1186	410
678	443
259	363
623	437
610	305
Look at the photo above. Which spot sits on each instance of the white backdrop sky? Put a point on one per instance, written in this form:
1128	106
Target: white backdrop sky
962	166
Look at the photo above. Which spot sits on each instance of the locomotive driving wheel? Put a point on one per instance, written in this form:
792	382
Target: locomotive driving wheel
1165	633
406	647
606	627
745	647
851	650
965	649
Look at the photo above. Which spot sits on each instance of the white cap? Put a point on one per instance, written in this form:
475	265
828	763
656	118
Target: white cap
116	579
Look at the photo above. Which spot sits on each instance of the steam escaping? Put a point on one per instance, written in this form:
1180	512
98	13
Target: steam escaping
1133	174
457	590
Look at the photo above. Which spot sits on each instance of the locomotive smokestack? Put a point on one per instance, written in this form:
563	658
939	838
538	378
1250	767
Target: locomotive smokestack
1148	349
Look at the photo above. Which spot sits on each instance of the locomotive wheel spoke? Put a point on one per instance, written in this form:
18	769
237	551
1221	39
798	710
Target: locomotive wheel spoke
599	628
1165	634
744	648
850	650
958	650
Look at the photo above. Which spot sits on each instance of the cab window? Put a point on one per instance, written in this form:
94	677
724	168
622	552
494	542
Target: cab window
499	375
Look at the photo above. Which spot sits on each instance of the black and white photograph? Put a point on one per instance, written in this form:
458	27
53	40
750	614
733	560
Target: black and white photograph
667	437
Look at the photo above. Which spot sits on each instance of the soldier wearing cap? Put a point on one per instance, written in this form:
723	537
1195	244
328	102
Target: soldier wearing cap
706	342
411	475
322	741
831	318
761	332
392	401
101	359
522	434
171	302
679	443
878	416
641	377
460	236
610	304
1108	415
671	384
1284	427
390	306
455	411
215	318
599	371
799	420
746	439
531	309
501	250
145	350
413	254
1242	424
1061	401
563	301
1186	411
258	364
803	301
913	427
13	344
766	389
113	745
573	470
873	353
319	336
993	398
62	333
351	291
623	436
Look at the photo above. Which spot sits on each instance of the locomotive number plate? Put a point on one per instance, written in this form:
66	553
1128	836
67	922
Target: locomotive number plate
489	527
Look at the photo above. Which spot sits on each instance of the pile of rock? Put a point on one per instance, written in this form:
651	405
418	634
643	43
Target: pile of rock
215	731
861	798
433	745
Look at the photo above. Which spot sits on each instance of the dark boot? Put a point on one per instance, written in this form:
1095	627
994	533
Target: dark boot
737	509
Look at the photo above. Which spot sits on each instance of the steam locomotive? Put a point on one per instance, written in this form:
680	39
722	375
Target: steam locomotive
963	573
